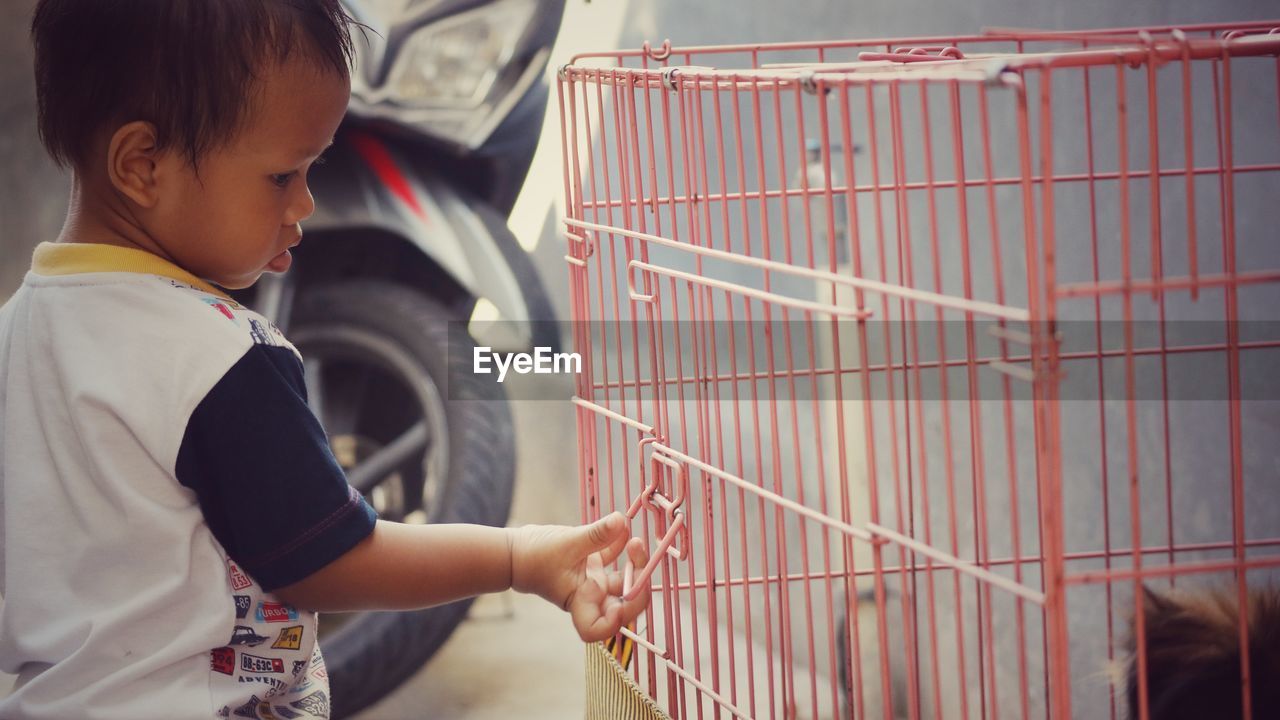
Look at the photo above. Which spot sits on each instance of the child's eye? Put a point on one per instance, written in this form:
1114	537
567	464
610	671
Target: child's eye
282	179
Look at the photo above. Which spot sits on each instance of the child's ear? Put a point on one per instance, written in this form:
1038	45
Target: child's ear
132	162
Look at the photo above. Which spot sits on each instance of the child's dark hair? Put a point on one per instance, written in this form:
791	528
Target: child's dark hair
1193	655
189	67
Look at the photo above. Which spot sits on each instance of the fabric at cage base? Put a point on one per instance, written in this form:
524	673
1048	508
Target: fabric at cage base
612	694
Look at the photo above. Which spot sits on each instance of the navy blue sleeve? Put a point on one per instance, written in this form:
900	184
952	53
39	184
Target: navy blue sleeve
267	482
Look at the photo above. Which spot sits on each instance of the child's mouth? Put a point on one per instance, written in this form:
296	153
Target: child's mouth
281	262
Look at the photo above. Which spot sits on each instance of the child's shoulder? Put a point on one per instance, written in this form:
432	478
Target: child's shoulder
139	319
107	294
224	317
149	347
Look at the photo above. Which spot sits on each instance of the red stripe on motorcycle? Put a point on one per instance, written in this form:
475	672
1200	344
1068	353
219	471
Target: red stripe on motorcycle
375	154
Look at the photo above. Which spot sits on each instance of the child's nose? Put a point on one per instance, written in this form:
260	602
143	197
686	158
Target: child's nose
302	208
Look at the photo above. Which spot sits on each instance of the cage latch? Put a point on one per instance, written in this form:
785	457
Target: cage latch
665	500
924	53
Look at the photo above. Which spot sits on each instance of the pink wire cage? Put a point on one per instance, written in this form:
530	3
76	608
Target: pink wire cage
916	358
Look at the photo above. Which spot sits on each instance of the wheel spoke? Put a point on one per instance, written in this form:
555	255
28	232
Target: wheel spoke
378	465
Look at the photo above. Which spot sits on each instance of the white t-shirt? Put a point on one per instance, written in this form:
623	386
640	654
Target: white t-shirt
160	475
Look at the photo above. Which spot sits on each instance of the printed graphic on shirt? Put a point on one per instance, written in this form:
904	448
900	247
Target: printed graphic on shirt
271	662
259	333
317	667
239	580
290	638
249	709
315	675
221	306
275	686
274	612
204	293
256	664
223	660
246	635
316	703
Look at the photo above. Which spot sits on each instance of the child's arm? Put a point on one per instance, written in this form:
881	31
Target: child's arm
400	567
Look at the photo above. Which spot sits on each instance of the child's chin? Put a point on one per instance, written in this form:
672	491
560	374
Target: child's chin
240	282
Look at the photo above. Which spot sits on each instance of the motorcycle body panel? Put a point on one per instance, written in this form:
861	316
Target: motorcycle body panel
367	184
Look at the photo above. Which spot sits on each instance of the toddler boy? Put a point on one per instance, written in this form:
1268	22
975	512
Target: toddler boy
171	516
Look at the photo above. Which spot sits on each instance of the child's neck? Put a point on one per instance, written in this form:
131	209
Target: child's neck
99	216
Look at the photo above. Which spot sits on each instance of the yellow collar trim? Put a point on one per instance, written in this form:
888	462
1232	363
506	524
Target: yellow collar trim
75	258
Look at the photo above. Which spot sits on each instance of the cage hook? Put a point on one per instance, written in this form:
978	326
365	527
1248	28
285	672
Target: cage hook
667	511
662	53
632	292
669	78
809	82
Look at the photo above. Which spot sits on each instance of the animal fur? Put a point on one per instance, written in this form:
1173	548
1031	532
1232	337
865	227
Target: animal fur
1193	655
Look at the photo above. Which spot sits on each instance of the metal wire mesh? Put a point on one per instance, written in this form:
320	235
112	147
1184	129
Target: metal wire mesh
915	358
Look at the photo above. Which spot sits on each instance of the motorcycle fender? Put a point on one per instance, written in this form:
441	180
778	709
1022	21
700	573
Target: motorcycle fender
365	185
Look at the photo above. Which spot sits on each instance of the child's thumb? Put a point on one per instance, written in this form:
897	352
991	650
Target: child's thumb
601	533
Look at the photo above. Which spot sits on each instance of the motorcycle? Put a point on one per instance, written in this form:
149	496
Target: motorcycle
407	249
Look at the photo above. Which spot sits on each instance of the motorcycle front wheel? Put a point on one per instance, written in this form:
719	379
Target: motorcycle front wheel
419	435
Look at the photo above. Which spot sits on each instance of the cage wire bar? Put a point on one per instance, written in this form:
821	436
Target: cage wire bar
914	359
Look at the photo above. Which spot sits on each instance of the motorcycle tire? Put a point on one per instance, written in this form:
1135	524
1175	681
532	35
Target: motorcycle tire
374	652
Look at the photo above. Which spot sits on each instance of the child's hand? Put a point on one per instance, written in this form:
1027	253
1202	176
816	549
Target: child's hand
568	567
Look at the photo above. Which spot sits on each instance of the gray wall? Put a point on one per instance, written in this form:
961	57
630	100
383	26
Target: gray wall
33	192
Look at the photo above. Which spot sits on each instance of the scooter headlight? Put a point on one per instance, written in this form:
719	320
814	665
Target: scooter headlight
455	63
454	75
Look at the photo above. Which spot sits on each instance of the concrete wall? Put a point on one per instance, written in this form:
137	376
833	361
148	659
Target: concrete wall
33	191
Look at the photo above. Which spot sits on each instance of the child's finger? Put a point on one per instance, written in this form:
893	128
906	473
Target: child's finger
595	623
638	555
614	588
595	570
637	552
637	558
611	553
632	608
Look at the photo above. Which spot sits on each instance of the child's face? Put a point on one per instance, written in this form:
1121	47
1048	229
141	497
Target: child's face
242	214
